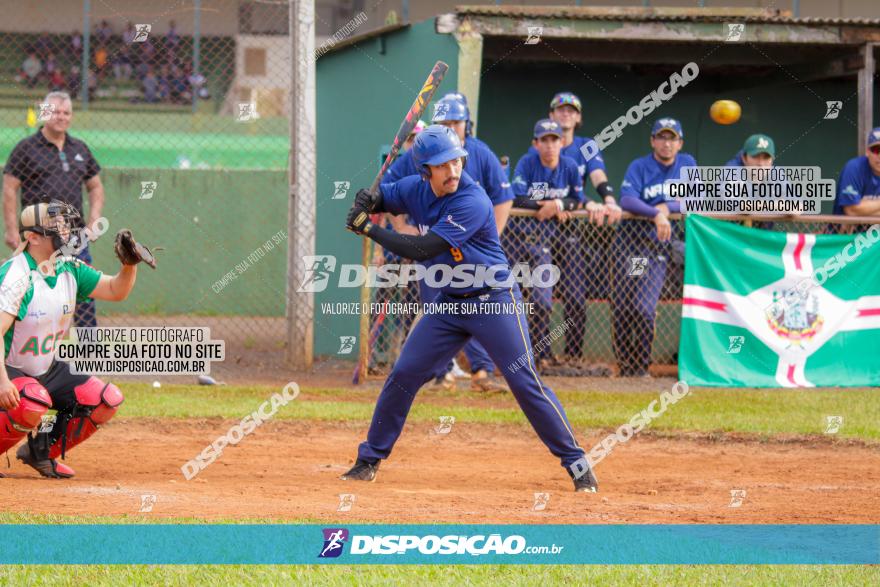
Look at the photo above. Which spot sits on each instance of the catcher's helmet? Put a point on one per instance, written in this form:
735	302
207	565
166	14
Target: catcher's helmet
58	220
434	146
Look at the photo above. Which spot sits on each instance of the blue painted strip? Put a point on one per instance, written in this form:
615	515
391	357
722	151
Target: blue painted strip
439	544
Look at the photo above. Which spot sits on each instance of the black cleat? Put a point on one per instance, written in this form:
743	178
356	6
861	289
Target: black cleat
586	483
362	471
43	464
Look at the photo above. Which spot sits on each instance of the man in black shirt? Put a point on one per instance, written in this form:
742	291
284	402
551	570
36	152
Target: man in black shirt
52	165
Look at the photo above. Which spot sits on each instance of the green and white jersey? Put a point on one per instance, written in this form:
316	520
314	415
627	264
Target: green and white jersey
43	307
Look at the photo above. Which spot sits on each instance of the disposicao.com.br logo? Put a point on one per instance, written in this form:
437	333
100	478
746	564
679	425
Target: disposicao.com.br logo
318	273
477	545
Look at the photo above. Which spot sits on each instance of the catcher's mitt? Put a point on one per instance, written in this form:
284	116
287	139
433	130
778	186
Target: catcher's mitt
131	252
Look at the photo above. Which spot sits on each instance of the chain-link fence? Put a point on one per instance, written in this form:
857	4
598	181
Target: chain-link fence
177	128
615	308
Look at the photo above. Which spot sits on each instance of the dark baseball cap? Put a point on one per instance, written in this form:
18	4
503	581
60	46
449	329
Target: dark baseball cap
669	124
874	137
545	127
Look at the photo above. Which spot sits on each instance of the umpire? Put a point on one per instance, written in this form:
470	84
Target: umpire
52	165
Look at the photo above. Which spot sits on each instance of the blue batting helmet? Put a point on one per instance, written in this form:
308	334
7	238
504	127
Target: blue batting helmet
450	107
436	145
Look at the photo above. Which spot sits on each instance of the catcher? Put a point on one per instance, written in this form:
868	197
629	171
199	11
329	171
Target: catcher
38	295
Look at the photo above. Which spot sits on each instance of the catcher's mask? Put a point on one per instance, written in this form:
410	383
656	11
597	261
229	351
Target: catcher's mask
57	220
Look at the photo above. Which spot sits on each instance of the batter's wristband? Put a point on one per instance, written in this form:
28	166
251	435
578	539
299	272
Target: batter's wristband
604	189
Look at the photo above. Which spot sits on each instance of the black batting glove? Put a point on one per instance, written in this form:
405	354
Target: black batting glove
369	201
358	220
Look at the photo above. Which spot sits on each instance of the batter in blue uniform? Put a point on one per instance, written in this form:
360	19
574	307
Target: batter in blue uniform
639	248
485	169
457	227
548	182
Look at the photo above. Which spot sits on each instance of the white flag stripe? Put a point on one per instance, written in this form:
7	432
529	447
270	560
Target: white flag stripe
709	315
798	250
790	374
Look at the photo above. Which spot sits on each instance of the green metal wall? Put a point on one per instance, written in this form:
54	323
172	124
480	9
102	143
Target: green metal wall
363	93
208	221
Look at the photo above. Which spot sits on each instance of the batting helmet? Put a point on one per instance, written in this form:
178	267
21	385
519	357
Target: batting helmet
434	146
450	107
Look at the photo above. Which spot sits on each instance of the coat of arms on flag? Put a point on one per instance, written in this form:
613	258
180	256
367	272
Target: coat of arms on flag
805	308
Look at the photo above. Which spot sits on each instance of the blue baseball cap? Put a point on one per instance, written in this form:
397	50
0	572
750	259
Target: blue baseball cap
669	124
874	137
545	127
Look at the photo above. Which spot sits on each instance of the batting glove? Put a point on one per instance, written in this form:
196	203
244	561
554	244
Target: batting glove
369	201
358	220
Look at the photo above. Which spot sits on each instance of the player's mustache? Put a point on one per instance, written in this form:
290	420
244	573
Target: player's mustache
453	178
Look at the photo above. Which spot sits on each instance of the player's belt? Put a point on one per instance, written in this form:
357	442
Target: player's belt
472	294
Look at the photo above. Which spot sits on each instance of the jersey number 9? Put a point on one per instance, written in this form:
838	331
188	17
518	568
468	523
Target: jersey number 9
456	254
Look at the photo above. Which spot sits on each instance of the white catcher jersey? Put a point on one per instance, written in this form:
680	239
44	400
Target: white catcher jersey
43	307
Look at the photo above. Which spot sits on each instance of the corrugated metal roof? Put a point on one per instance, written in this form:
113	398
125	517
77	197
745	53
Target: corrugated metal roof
754	15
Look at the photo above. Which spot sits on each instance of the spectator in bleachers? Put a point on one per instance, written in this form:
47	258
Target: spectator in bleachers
101	61
103	32
164	82
44	45
141	69
51	65
146	52
76	44
122	64
128	34
179	87
197	83
57	83
151	86
31	68
172	38
74	81
93	84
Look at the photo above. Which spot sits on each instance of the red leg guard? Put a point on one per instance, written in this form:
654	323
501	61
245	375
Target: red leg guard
34	402
96	403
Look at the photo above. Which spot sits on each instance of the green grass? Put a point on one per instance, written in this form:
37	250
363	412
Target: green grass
635	575
763	413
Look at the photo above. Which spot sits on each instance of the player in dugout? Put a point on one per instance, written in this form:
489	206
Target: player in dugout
581	251
641	249
38	293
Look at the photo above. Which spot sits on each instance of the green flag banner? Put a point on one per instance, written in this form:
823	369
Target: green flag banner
771	309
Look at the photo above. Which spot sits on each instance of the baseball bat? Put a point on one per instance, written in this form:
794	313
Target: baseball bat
409	123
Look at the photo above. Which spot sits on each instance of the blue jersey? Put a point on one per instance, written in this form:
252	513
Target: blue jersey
645	178
482	165
537	182
585	166
856	181
464	219
737	160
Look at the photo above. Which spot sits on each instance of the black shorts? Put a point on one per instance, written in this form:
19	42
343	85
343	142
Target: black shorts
58	381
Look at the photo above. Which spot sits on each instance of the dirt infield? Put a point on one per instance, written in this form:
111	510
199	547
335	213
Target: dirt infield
474	474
